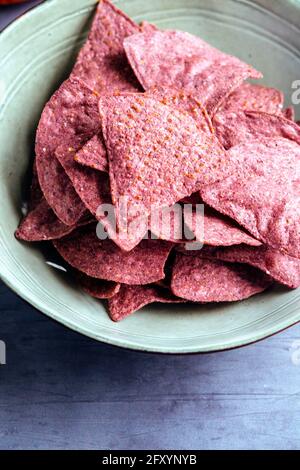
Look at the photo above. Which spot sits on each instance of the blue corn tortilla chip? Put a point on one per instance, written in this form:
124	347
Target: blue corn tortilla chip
212	228
69	118
132	298
262	193
93	154
41	223
102	259
157	155
234	128
98	288
282	268
175	59
102	62
253	97
204	280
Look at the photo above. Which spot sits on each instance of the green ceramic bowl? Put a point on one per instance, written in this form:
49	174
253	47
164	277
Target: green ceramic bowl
36	54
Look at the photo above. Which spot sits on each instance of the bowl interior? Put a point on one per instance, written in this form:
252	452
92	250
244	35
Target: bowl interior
36	54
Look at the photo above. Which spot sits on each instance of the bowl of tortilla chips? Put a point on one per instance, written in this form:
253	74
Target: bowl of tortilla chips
150	169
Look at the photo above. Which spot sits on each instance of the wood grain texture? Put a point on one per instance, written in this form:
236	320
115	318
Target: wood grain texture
62	390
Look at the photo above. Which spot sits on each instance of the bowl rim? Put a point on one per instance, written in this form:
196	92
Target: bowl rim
8	278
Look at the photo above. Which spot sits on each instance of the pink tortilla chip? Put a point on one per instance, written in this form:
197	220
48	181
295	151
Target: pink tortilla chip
93	154
185	103
59	191
157	155
167	224
91	186
234	128
284	269
209	228
289	113
175	59
102	62
98	288
253	97
204	280
102	259
263	192
93	189
212	228
71	118
42	224
132	298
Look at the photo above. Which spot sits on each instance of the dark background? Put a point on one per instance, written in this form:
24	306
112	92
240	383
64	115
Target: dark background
62	390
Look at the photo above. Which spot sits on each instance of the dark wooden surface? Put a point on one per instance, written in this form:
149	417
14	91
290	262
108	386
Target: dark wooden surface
62	390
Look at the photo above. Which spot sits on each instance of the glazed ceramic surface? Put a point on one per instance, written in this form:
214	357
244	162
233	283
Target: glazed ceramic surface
36	54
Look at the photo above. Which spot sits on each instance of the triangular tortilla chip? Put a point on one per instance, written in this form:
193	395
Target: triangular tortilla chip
212	228
98	288
93	188
41	223
234	128
263	192
204	227
102	259
93	154
284	269
102	62
132	298
69	118
203	280
157	155
175	59
252	97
